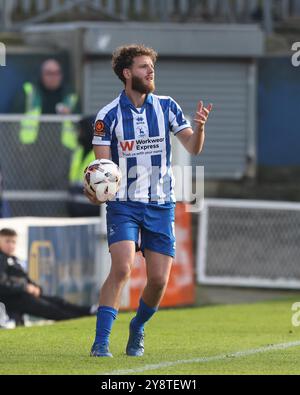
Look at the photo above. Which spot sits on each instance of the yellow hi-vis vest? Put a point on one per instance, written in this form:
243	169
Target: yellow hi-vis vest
78	165
30	123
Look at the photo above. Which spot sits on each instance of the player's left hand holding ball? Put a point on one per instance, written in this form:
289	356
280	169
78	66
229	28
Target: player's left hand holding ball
102	180
92	197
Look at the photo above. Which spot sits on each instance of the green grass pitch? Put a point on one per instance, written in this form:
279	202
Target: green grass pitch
171	336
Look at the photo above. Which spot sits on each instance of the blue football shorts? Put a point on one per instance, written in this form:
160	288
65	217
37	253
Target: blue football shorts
150	226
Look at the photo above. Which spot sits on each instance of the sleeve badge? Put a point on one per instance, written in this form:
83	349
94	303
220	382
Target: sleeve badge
99	129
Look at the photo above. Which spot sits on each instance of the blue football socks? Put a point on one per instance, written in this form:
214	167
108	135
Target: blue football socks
105	319
144	313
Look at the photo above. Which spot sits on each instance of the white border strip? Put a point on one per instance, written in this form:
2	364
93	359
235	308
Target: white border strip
36	195
257	204
250	282
41	118
221	357
44	196
202	243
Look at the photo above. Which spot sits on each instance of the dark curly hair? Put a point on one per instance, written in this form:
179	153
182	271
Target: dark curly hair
8	232
123	57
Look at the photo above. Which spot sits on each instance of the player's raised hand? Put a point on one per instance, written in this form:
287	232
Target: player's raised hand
202	113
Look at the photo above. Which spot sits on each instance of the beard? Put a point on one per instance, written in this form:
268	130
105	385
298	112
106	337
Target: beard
139	86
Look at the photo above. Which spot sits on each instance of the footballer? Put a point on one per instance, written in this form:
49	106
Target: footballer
134	132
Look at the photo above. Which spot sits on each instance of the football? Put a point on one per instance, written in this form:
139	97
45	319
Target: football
102	178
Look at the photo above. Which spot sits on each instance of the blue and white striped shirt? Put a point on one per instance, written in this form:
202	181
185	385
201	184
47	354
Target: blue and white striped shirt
140	144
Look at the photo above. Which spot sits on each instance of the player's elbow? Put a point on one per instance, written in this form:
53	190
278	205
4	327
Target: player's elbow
195	150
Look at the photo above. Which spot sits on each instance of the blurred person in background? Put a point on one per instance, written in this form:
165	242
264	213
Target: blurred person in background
43	143
79	205
48	96
21	295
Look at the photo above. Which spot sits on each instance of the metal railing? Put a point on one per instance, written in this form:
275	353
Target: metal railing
17	13
249	243
35	176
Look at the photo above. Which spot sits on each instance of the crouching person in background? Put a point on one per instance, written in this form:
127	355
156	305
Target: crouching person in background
21	295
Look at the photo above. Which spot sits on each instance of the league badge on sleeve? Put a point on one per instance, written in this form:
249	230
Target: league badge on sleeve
99	129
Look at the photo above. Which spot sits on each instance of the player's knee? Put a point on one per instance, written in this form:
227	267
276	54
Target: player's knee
157	282
122	272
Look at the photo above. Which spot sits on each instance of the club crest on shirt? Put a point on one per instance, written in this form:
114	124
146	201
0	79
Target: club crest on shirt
141	133
99	129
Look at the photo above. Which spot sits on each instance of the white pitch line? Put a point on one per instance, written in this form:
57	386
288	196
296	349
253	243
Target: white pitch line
272	347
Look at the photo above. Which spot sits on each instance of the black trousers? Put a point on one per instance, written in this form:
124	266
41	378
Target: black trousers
48	307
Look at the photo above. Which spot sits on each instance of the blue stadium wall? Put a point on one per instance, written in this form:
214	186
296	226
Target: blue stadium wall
278	105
